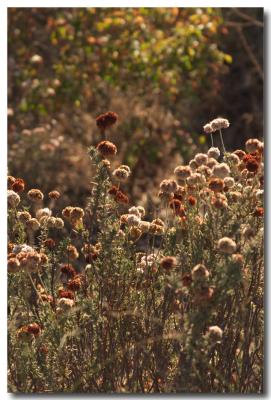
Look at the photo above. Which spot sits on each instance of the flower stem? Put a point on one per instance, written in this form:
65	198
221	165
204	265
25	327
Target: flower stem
221	138
212	140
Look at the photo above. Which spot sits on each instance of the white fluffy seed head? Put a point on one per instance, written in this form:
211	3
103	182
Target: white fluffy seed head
201	158
221	170
13	198
219	123
226	245
229	182
133	220
182	172
213	152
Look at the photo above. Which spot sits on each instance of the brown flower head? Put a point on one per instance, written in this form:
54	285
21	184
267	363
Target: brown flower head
216	184
192	200
18	186
168	263
113	190
107	148
11	180
258	212
121	197
54	195
75	283
252	165
106	120
35	195
67	269
240	153
67	294
49	243
34	329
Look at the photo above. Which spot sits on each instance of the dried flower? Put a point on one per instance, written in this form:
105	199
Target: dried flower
34	329
201	158
68	270
240	154
132	220
18	186
219	123
68	294
13	198
211	162
168	186
13	265
192	200
35	195
59	223
121	174
208	128
258	212
221	170
121	197
168	263
135	233
10	181
213	152
229	182
107	148
23	216
144	226
252	165
216	185
54	195
252	145
72	252
75	283
215	333
200	273
113	190
186	279
33	224
182	172
226	245
106	120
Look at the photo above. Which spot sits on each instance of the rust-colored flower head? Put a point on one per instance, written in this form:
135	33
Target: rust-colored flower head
168	263
216	185
258	212
34	329
121	197
106	120
106	148
75	283
68	270
192	200
49	243
18	186
54	195
177	207
66	212
252	165
113	190
67	294
35	195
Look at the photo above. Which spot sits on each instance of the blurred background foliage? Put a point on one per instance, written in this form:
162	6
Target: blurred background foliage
165	71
